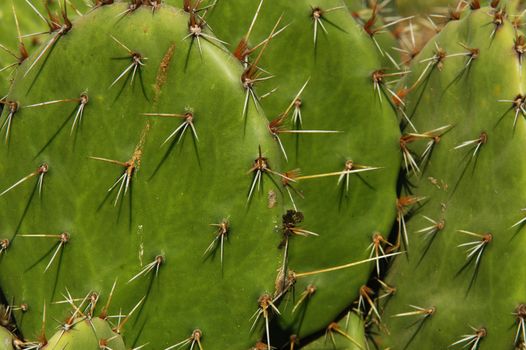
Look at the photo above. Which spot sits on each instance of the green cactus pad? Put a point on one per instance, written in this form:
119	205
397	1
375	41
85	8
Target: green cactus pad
339	96
348	334
423	7
30	27
93	334
463	283
75	229
6	339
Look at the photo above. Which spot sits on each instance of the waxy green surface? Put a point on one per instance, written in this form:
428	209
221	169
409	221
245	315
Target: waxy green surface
352	326
423	7
339	97
94	334
178	190
426	7
8	38
6	339
29	24
475	191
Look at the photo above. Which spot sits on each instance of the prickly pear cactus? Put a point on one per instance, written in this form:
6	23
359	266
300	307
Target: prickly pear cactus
22	30
146	192
462	284
379	20
426	7
6	339
348	334
127	160
327	96
423	7
11	52
81	336
28	22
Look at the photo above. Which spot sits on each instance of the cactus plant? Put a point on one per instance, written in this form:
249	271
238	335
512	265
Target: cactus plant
348	334
80	336
426	7
352	214
22	31
155	243
6	339
423	7
11	53
185	221
462	283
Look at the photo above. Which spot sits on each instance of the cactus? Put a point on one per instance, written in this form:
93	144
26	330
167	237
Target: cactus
19	18
424	7
352	214
110	69
184	222
27	19
461	284
384	28
80	336
11	54
348	334
427	7
6	339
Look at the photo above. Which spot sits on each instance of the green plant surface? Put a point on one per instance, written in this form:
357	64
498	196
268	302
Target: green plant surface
462	283
9	40
6	339
427	7
152	238
423	7
348	334
339	96
383	33
94	334
30	26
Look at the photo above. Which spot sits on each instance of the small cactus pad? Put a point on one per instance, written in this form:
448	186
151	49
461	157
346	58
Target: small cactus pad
86	334
348	334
